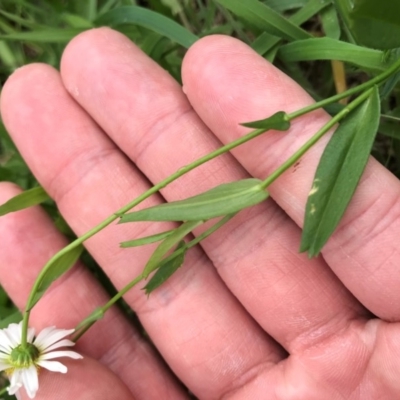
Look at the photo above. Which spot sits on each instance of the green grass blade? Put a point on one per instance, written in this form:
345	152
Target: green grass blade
330	22
331	49
339	171
284	5
222	200
23	200
51	35
265	18
265	42
150	20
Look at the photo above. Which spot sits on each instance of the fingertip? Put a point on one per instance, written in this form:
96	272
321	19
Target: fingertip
21	91
101	48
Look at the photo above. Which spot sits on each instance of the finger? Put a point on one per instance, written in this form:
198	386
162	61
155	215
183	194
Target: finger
81	164
362	252
28	240
86	379
256	254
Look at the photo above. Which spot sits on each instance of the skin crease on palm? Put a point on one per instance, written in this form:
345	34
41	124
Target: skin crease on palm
247	316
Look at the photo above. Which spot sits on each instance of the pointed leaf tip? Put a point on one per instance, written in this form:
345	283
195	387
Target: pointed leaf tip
278	121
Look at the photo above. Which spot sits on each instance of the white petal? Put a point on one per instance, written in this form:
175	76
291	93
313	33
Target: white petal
61	353
48	337
54	366
30	381
31	335
15	382
14	333
5	342
61	343
44	332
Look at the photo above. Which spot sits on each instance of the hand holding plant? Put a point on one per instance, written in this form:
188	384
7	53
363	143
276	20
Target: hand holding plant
246	316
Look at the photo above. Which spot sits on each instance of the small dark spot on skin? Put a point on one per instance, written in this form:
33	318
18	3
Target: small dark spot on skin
295	166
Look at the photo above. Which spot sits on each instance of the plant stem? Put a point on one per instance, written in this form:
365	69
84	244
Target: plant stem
314	139
83	326
106	306
367	85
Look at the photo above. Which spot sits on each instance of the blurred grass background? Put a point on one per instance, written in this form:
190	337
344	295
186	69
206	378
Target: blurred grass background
38	31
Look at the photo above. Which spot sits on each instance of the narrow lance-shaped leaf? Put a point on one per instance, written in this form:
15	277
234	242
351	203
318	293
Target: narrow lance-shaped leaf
339	171
278	121
265	18
168	244
150	20
167	269
267	42
53	271
50	35
225	199
146	240
330	49
23	200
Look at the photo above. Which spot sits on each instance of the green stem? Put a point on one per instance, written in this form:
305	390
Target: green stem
83	326
314	139
123	210
367	85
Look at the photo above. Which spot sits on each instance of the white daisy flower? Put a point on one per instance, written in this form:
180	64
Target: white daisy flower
22	363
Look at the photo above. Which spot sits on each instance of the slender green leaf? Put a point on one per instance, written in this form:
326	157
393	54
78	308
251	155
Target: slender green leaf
338	173
265	18
330	22
224	199
277	121
147	239
170	241
331	49
50	35
76	21
21	21
59	267
167	268
266	42
284	5
23	200
148	19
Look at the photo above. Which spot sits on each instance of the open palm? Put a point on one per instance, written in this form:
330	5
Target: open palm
247	316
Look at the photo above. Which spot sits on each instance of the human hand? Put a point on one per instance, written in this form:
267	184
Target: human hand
247	317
